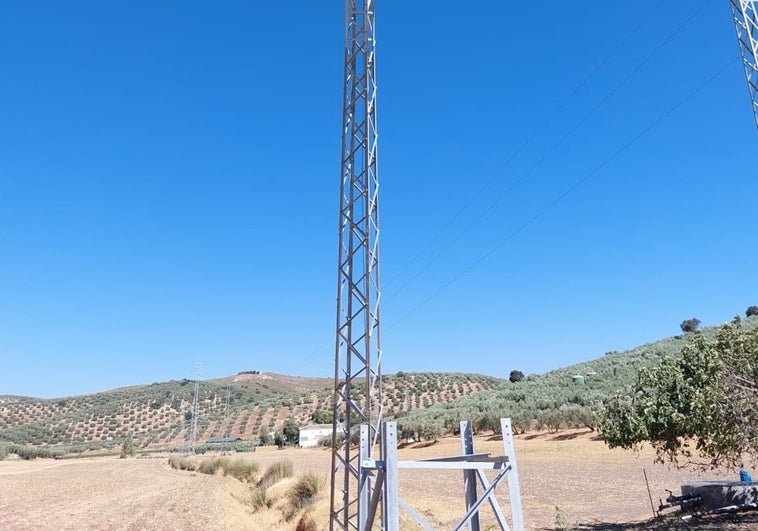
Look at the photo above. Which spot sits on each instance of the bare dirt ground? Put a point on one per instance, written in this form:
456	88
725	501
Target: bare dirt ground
109	493
571	473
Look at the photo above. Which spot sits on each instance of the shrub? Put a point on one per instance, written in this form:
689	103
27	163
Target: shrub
128	449
29	452
244	447
265	437
751	311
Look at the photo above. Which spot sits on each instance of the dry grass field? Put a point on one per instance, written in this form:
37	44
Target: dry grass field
571	472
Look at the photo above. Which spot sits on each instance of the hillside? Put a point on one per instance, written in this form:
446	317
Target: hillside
158	415
425	404
562	398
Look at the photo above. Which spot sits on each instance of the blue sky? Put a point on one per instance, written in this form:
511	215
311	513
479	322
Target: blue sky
169	185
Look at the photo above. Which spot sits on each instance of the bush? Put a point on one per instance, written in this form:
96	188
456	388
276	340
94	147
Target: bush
265	437
516	376
29	453
244	447
751	311
128	449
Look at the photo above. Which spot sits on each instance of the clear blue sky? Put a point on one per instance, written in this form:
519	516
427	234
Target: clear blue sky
169	185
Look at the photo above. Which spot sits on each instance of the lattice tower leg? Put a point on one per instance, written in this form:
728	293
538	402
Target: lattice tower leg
745	13
357	374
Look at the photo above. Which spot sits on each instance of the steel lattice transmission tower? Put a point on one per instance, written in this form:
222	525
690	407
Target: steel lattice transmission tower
357	374
745	14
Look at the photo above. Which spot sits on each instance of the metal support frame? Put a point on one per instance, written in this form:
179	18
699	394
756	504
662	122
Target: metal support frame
385	474
745	13
469	476
357	347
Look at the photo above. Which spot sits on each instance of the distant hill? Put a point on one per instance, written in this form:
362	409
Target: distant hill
158	415
424	404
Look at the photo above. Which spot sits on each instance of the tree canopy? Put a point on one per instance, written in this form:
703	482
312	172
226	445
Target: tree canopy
690	325
699	407
516	376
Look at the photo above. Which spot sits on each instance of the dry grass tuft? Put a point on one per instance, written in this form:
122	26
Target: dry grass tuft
259	498
306	489
238	468
276	472
210	466
182	463
241	469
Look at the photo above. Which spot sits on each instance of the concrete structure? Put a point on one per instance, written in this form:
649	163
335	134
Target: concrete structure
312	435
722	495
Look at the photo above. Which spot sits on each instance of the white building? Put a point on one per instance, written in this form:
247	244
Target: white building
312	435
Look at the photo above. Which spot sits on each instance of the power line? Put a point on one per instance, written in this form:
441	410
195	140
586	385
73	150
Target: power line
527	142
574	92
546	155
563	195
533	167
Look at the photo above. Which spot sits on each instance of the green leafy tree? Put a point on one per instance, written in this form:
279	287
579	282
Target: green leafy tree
690	325
699	407
265	437
322	417
751	311
291	431
516	376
